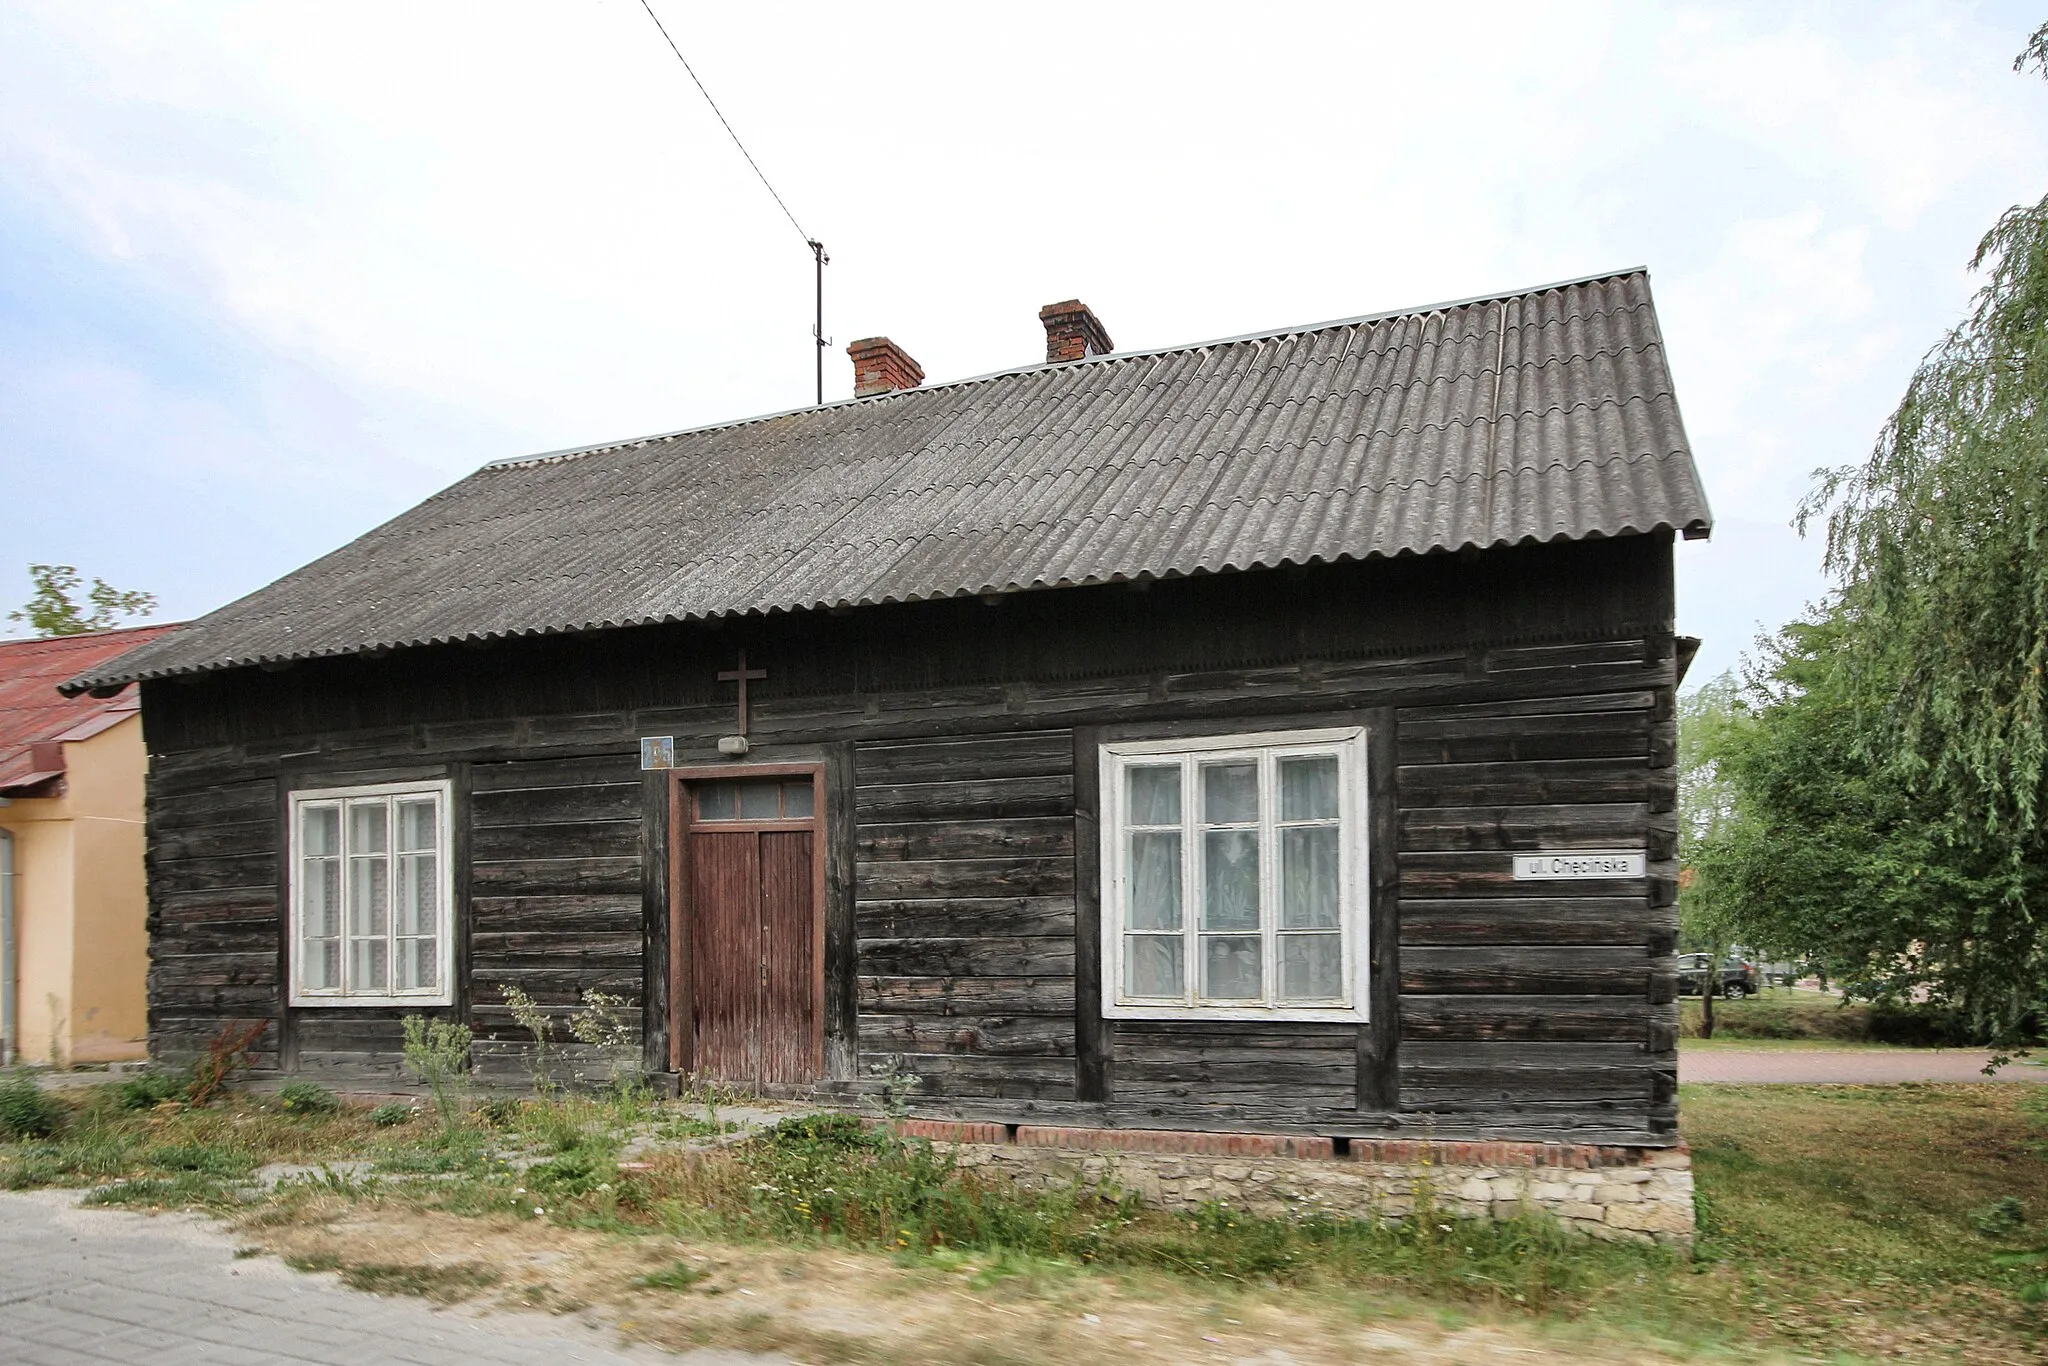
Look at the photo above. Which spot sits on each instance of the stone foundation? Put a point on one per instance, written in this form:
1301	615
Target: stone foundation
1631	1194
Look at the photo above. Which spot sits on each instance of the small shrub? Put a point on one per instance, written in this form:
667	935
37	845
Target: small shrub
26	1111
2001	1218
307	1098
575	1173
151	1089
835	1133
391	1116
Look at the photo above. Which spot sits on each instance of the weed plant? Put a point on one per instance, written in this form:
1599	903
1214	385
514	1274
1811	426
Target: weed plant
307	1098
437	1051
151	1089
26	1110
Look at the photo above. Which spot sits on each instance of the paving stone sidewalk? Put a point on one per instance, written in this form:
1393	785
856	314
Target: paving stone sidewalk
83	1286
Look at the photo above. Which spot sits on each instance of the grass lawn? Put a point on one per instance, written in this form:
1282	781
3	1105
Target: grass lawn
1839	1224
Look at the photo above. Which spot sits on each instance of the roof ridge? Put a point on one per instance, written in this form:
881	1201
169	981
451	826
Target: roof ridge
1300	329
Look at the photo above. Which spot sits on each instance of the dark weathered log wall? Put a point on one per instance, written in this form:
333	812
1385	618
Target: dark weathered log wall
1518	700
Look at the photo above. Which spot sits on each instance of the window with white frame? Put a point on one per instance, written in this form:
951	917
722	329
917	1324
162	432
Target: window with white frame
372	896
1234	877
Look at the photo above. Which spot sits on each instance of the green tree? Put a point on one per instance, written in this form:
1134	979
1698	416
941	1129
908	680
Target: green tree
1709	918
1942	536
56	611
1894	890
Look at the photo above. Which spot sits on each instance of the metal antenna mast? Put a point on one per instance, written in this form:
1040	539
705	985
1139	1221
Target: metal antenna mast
817	248
818	328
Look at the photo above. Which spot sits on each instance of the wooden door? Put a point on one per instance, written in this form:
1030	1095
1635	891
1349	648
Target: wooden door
750	927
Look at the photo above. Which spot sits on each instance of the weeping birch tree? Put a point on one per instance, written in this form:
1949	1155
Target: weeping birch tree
1939	542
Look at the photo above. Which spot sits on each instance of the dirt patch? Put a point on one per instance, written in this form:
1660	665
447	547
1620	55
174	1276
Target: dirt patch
825	1305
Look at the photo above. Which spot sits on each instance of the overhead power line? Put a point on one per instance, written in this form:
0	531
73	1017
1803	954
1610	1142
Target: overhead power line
817	248
728	126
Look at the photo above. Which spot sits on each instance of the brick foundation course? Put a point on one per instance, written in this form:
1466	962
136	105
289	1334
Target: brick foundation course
1617	1193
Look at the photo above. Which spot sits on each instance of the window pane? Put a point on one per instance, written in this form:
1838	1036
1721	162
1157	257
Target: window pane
369	894
1153	965
718	802
1311	967
1308	788
321	964
366	826
417	889
320	897
758	802
319	830
1154	792
1155	880
1230	879
1230	968
415	824
798	799
1230	793
366	967
1308	877
417	966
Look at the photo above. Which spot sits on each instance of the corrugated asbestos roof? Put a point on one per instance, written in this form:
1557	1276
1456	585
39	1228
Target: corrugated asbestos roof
32	711
1540	416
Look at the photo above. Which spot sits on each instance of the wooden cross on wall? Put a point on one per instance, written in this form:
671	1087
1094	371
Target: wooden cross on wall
740	676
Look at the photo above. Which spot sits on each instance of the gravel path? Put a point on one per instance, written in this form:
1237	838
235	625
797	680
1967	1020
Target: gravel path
1849	1066
81	1286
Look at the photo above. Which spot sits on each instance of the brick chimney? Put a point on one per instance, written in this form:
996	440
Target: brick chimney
1073	332
880	366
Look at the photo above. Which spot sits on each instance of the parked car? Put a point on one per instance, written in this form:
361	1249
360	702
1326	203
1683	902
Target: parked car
1737	978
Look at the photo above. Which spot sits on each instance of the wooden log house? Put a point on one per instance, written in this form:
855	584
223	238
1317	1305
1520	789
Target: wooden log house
1273	734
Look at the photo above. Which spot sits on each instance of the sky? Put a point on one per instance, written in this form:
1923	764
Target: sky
272	273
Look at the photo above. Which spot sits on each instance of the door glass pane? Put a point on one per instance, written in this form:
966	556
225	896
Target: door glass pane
1230	879
416	824
320	897
366	962
417	889
1230	793
1154	792
319	830
1311	967
1153	965
798	799
1308	788
718	802
1230	968
1308	877
1155	880
366	827
758	802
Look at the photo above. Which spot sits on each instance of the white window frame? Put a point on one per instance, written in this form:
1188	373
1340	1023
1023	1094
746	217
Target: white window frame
1354	884
444	867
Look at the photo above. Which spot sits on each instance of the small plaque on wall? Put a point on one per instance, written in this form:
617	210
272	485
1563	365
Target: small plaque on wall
657	751
1579	866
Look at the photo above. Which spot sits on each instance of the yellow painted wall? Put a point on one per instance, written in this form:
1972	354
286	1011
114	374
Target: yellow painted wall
81	903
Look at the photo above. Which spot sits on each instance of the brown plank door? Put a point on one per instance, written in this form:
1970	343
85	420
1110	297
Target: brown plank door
749	931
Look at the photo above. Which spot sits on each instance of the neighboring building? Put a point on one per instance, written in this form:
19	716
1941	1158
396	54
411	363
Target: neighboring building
73	903
1271	735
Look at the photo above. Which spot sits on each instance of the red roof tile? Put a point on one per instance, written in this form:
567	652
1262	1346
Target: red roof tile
31	708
